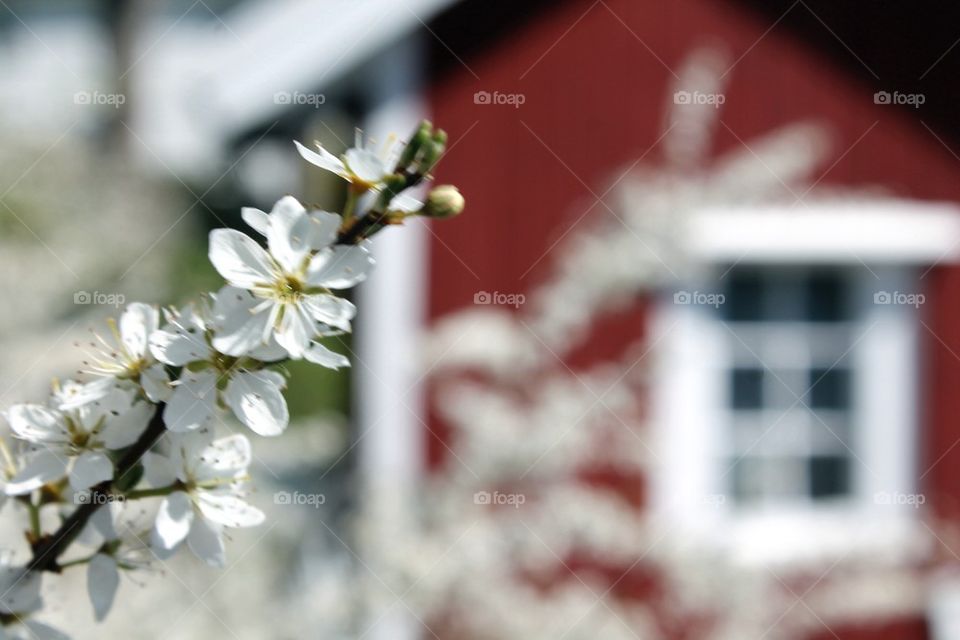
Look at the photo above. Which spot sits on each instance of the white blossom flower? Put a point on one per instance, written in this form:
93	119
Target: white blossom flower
211	379
73	439
20	597
290	284
127	357
361	166
209	478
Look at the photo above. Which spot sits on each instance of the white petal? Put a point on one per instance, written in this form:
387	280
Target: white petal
43	467
324	159
288	233
228	510
178	346
193	403
122	429
319	354
36	423
257	402
243	324
294	332
206	542
103	578
269	352
136	324
256	218
73	395
339	267
323	229
19	590
40	631
365	164
329	309
91	468
224	458
173	520
239	259
156	383
158	470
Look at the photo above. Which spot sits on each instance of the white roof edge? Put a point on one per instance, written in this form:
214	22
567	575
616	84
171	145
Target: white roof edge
888	231
301	46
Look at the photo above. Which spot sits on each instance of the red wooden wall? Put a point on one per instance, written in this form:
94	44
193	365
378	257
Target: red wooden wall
596	80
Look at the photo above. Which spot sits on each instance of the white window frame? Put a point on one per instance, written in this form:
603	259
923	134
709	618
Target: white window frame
896	240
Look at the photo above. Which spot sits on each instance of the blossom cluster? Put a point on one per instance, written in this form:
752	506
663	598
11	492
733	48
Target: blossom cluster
151	420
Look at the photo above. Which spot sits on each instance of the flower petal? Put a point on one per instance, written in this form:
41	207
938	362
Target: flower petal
224	458
91	468
256	218
243	323
319	354
257	402
339	267
324	159
193	403
365	165
173	521
288	233
158	470
122	429
206	542
228	510
103	578
329	309
138	321
179	345
324	227
156	383
239	259
44	467
19	590
294	332
36	423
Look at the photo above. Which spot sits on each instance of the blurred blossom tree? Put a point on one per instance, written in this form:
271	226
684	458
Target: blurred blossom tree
144	428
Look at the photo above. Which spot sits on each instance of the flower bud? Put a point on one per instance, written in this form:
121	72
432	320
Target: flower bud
444	201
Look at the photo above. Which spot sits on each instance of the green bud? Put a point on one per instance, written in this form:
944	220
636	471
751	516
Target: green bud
444	201
419	138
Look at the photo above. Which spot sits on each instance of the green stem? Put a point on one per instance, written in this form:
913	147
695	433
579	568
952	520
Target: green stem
34	520
152	493
77	562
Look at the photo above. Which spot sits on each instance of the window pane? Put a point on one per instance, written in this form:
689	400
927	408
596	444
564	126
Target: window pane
826	297
829	389
744	296
829	476
746	386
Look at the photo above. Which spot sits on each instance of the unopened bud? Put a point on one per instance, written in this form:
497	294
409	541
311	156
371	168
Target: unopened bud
444	201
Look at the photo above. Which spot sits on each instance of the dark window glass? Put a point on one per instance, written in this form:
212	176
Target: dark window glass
826	298
744	296
829	389
746	387
829	476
